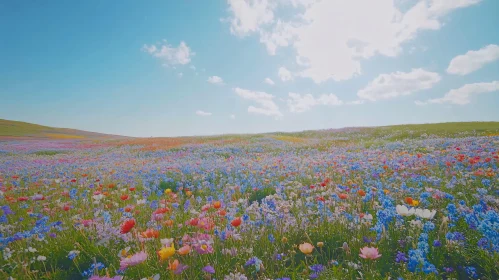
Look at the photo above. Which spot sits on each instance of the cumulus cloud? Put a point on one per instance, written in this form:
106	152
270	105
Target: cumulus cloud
269	81
301	103
265	101
462	95
170	55
330	38
284	74
203	113
473	60
392	85
215	80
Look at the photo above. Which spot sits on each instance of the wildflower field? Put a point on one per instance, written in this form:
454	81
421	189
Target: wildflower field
403	202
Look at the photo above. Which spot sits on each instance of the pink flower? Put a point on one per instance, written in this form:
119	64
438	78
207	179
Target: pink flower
133	260
370	253
203	244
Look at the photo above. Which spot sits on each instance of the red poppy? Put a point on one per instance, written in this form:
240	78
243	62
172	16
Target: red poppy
127	226
362	193
408	200
73	180
312	186
236	222
194	222
66	207
320	198
343	196
132	189
161	211
124	197
23	198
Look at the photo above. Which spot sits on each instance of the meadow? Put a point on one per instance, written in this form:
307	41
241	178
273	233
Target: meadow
399	202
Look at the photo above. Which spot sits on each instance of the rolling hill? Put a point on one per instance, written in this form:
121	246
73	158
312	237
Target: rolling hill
12	130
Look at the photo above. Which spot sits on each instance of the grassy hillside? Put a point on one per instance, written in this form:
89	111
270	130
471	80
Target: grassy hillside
17	130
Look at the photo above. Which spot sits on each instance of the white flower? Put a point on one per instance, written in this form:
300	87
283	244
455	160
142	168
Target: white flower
141	201
31	249
416	223
166	242
7	253
425	213
41	258
402	210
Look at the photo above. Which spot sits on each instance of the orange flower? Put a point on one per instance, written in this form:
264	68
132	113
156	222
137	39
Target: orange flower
362	193
127	226
173	265
128	209
217	204
184	250
236	222
150	233
386	191
222	212
306	248
168	223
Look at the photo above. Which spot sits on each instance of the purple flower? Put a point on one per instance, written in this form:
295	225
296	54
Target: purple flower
367	239
180	268
400	257
317	268
209	269
437	243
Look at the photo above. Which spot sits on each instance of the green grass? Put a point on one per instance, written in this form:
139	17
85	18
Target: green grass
10	128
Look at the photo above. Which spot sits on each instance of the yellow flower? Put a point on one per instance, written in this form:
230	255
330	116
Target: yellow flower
167	191
284	239
166	252
188	193
415	202
320	244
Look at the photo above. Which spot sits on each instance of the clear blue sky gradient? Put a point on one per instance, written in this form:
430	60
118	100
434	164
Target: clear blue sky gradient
79	64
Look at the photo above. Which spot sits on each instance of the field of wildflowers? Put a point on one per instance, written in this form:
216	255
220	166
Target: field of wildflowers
350	204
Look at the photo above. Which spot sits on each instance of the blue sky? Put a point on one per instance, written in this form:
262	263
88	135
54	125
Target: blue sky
174	68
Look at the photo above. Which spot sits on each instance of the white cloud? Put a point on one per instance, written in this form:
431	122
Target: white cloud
232	117
269	81
265	101
356	102
420	103
298	103
203	113
387	86
249	15
215	80
473	60
180	55
331	37
180	75
284	74
462	95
